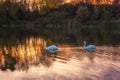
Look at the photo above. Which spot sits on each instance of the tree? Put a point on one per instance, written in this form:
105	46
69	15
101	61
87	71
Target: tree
97	12
83	13
107	12
9	8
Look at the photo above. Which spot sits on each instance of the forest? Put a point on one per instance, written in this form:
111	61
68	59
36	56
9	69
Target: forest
57	11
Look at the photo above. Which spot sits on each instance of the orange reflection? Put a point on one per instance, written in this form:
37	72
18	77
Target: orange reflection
27	53
67	1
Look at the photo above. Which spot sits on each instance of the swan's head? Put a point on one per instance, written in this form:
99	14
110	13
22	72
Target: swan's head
84	42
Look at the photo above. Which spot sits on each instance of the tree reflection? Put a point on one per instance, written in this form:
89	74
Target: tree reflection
28	53
9	62
45	60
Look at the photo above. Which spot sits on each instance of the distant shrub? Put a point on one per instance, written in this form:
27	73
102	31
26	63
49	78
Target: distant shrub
107	12
83	13
116	11
9	9
97	12
13	10
45	10
69	9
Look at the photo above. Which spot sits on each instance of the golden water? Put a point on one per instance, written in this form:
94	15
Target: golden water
31	62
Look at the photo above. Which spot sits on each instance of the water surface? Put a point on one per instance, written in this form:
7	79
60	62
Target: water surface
23	57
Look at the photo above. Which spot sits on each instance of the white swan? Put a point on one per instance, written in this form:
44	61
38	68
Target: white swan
89	48
51	48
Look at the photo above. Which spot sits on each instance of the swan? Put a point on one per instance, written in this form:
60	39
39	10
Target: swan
89	48
51	48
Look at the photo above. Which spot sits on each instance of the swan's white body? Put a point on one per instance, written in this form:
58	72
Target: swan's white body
89	48
51	48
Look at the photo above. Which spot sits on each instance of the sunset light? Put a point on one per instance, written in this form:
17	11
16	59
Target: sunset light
92	1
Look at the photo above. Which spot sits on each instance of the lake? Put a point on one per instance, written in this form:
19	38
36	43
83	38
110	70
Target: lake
22	55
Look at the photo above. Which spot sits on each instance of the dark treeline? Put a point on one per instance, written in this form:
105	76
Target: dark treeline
81	12
26	9
15	10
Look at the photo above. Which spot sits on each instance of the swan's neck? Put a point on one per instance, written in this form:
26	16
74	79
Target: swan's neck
45	44
84	44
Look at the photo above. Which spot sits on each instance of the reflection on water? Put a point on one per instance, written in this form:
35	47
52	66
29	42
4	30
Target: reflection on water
28	61
21	55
